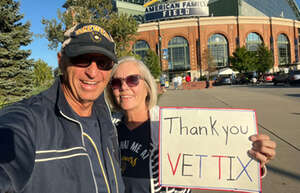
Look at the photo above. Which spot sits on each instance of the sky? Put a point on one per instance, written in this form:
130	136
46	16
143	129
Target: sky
34	11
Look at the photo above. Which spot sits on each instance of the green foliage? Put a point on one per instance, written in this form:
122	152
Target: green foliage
122	27
264	60
243	60
152	62
43	76
16	68
247	61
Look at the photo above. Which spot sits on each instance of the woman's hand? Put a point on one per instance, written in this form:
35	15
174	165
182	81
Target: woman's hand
263	148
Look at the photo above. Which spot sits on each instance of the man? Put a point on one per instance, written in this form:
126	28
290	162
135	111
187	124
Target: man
162	80
63	140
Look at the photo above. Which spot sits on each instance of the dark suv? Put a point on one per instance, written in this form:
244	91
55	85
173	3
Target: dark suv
294	77
280	77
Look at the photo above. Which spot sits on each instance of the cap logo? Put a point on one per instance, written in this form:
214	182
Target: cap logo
95	37
96	31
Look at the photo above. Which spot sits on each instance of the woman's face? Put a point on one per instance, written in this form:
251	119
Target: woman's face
130	97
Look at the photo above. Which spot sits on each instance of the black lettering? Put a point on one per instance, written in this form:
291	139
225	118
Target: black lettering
212	126
237	130
181	127
171	121
226	131
200	130
194	131
246	131
230	168
184	165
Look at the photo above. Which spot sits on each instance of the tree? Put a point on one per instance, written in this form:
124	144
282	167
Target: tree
264	60
16	68
122	27
43	75
152	62
243	60
209	61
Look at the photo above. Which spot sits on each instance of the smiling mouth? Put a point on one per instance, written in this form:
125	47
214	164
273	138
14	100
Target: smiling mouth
126	96
89	82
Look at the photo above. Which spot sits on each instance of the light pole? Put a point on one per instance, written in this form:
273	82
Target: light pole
159	44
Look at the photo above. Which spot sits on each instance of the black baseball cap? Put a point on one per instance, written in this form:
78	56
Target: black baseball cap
89	39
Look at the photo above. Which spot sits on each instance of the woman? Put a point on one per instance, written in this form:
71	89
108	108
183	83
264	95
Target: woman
132	92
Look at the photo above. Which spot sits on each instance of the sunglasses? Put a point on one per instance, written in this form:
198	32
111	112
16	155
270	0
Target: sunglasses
103	63
131	81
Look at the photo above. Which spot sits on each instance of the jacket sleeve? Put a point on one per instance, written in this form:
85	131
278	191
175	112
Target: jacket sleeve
5	185
17	150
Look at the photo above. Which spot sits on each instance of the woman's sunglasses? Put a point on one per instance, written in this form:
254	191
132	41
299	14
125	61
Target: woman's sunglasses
131	81
103	63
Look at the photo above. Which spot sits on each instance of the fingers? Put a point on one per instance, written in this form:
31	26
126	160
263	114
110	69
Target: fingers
263	148
259	137
259	156
258	145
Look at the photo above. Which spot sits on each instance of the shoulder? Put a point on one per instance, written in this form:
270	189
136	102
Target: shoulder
117	117
154	113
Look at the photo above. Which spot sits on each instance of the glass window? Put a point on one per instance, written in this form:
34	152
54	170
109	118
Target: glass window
140	48
179	55
283	45
253	41
218	47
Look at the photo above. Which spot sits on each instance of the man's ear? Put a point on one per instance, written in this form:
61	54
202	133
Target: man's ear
59	58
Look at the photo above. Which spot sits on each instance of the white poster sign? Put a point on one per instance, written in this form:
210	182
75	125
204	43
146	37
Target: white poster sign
205	148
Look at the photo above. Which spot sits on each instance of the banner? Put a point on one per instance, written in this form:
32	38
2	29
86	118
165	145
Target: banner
176	9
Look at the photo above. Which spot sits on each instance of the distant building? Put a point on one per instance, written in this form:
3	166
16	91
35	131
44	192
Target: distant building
183	32
131	7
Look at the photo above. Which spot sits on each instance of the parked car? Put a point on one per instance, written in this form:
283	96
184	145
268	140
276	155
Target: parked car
280	77
223	81
294	77
247	77
268	78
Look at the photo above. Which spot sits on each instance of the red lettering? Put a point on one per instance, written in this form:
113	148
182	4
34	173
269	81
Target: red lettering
219	156
174	171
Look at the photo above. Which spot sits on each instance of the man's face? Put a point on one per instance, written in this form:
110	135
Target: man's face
86	78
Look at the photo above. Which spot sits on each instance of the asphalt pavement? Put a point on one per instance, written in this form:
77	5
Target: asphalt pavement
278	115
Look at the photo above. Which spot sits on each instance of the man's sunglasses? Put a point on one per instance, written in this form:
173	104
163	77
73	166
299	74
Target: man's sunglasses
103	62
131	81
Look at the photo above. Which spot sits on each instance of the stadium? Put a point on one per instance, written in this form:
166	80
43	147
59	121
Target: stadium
183	32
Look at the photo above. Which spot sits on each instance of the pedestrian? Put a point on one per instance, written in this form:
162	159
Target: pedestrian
179	80
132	95
63	140
175	82
187	78
162	80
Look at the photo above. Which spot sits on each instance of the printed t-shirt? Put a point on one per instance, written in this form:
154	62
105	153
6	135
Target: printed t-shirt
135	147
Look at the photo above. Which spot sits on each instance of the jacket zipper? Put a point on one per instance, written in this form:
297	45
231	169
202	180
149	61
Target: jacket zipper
99	159
82	140
113	167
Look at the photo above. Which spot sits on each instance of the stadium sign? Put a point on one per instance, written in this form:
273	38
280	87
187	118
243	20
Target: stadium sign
176	9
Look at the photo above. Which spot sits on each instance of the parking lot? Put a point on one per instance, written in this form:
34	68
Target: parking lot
278	115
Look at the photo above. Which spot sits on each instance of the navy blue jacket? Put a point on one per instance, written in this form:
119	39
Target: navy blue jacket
44	147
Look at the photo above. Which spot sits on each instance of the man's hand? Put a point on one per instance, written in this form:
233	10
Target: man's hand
263	148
